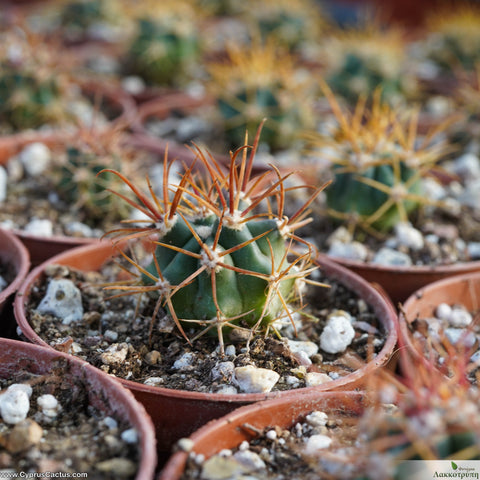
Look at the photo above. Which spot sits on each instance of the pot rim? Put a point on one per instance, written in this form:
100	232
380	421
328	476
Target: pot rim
16	250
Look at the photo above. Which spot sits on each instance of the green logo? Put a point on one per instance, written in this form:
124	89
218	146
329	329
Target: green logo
454	465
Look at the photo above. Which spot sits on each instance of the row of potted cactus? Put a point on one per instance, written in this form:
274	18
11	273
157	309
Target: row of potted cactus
228	241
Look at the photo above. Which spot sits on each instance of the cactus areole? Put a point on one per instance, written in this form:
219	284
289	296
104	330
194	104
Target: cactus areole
222	257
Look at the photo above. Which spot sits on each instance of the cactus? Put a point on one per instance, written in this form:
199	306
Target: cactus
377	164
360	60
31	88
433	417
78	183
166	46
218	263
293	24
259	81
453	39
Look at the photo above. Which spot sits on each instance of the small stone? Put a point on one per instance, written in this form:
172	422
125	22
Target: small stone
308	347
251	379
443	311
271	435
226	390
223	371
317	419
389	256
63	300
338	333
460	317
313	379
39	227
316	443
230	351
15	403
133	84
349	251
23	436
185	362
250	460
185	444
409	236
49	405
110	423
35	158
117	467
222	468
110	336
153	357
154	381
129	436
114	354
78	229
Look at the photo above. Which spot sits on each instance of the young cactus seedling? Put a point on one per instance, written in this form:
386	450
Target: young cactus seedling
377	163
222	258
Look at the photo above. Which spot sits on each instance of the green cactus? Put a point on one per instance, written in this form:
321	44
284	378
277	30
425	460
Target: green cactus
377	164
453	38
164	51
218	263
292	23
363	59
260	81
77	16
79	184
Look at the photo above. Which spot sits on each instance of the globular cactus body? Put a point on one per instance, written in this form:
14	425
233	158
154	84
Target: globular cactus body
350	192
237	293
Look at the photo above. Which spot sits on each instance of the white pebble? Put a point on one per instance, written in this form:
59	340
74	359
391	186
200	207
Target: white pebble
49	405
3	184
349	251
460	317
115	354
15	403
154	381
110	423
409	236
338	333
223	371
35	158
251	379
317	419
443	311
309	348
313	379
271	435
226	390
473	249
39	227
129	436
185	444
250	460
389	256
230	350
63	300
316	443
110	335
185	362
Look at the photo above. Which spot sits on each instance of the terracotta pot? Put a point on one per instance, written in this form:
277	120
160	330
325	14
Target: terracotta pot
176	414
104	393
226	432
401	282
459	289
12	251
